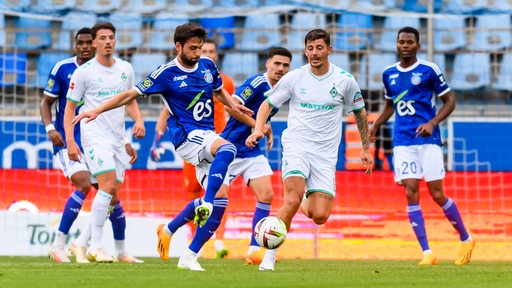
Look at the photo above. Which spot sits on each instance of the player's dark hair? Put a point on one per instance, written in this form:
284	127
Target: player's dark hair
279	51
409	29
318	34
211	41
84	30
188	31
102	25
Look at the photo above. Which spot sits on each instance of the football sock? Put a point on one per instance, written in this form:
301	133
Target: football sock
118	220
186	215
73	206
204	233
218	170
452	214
262	211
418	225
85	235
99	213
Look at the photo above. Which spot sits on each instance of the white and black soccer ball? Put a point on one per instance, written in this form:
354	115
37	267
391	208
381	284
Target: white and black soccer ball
270	232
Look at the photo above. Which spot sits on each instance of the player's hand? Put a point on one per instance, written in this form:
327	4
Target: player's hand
253	139
56	138
131	152
239	108
367	160
269	135
157	148
425	130
372	134
73	151
138	130
90	115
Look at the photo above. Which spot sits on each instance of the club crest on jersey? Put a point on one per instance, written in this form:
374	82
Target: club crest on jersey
208	77
416	79
333	92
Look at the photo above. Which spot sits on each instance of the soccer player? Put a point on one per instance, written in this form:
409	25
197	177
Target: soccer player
187	85
190	182
319	94
56	90
103	141
250	163
412	87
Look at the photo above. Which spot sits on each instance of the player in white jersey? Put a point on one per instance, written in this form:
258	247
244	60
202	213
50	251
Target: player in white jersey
411	88
103	141
319	95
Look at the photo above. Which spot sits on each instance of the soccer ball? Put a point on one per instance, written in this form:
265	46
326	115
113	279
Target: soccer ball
270	232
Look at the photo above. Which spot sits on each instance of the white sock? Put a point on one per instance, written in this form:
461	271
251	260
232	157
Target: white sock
60	239
190	253
99	213
85	235
252	249
427	252
270	255
120	247
167	231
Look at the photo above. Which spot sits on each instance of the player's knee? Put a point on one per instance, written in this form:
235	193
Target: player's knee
83	187
292	204
320	219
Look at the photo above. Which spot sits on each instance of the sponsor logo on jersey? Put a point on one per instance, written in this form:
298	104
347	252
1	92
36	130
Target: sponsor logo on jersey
316	106
247	93
147	83
178	78
302	91
49	84
183	84
358	97
71	85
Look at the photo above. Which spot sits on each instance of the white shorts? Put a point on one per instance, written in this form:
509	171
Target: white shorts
70	167
249	168
419	161
196	151
105	158
319	172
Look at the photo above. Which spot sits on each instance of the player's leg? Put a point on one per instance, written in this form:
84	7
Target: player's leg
192	188
220	248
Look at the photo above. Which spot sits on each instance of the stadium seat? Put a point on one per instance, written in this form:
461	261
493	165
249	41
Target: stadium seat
45	62
240	65
420	6
143	6
492	32
372	66
439	60
19	5
193	5
359	35
32	33
470	71
261	32
336	4
162	33
129	28
449	33
99	6
13	69
392	24
145	63
504	77
2	30
238	4
302	23
298	59
72	22
500	6
52	6
222	30
460	6
342	60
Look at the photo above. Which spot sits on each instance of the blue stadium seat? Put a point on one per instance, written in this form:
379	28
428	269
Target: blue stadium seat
72	22
99	6
261	32
143	6
302	23
13	69
20	5
460	6
240	65
421	6
501	6
359	36
145	63
52	6
372	66
449	33
392	24
45	62
238	4
193	5
2	30
470	71
504	79
162	33
129	30
222	30
492	32
32	33
298	59
341	60
336	4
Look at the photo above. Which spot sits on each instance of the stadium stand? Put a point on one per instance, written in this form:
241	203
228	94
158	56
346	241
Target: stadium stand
193	5
144	7
2	30
18	6
237	4
52	6
221	30
13	69
32	33
504	77
372	66
145	63
45	62
261	32
99	6
492	32
71	23
387	40
471	71
129	30
161	34
421	6
298	59
240	65
450	33
460	6
357	33
342	60
301	23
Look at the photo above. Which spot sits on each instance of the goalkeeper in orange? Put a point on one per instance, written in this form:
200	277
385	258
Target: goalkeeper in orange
193	188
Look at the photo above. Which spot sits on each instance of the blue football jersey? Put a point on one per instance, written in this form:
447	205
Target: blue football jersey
187	94
57	87
414	91
251	94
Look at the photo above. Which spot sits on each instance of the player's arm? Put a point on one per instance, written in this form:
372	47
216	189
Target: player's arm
119	100
362	126
249	121
69	113
228	101
426	129
259	128
384	115
46	116
138	129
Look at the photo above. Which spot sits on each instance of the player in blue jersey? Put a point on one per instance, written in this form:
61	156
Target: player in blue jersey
187	86
55	92
412	87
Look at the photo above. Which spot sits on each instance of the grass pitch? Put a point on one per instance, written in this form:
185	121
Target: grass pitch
42	272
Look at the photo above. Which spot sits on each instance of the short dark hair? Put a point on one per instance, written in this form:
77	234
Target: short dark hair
102	25
84	30
409	29
318	34
187	31
211	41
279	51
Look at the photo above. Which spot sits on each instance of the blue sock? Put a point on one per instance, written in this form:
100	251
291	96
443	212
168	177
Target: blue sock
225	155
73	206
118	221
204	233
418	225
186	215
262	211
452	214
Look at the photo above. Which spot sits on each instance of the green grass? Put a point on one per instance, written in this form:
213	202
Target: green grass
41	272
